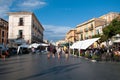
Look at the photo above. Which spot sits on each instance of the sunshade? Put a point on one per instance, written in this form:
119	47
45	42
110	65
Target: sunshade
83	44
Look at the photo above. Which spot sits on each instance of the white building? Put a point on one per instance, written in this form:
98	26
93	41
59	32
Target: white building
25	26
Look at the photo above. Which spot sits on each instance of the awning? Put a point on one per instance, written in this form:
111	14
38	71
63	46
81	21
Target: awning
117	41
35	45
43	44
24	45
83	44
76	45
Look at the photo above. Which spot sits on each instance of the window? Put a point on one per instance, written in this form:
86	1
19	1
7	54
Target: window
2	40
97	31
2	34
81	36
21	23
20	33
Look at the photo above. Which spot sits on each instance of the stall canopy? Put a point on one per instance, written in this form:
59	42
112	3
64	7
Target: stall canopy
43	44
22	46
117	41
35	45
83	44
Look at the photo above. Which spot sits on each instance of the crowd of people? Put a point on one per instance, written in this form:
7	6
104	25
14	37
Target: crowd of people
100	54
57	50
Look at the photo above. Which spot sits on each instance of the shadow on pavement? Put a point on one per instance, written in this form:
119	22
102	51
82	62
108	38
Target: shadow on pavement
54	70
10	71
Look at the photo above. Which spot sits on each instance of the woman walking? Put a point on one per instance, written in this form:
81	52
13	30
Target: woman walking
66	50
54	51
59	51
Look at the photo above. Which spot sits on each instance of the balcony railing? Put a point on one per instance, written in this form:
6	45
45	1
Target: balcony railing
20	36
91	28
20	23
78	32
86	29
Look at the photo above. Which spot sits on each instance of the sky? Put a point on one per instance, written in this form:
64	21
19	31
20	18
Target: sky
59	16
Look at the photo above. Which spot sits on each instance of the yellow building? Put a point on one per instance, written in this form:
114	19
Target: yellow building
109	17
60	42
89	28
94	26
71	35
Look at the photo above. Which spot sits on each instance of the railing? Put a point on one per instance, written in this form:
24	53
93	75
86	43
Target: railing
80	31
20	36
21	23
86	29
91	28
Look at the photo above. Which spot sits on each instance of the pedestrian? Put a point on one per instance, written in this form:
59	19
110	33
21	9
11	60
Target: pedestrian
48	50
66	50
59	51
33	50
1	54
54	51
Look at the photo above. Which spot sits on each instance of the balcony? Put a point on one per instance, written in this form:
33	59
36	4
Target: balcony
20	23
20	36
91	28
86	29
1	25
78	32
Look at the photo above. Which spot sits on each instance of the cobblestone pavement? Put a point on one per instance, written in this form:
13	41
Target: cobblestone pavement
39	67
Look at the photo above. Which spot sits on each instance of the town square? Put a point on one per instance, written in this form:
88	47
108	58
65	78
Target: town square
59	40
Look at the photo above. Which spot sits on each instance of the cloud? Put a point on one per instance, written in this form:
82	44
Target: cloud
3	11
51	32
4	7
30	4
55	33
19	5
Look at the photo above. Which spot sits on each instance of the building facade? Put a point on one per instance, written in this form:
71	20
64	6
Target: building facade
3	31
60	42
25	26
109	17
91	27
71	35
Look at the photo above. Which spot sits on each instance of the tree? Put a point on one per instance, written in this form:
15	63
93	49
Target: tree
112	29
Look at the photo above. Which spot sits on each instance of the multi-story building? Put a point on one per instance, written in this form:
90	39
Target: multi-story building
60	42
89	28
109	17
71	36
25	26
3	31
